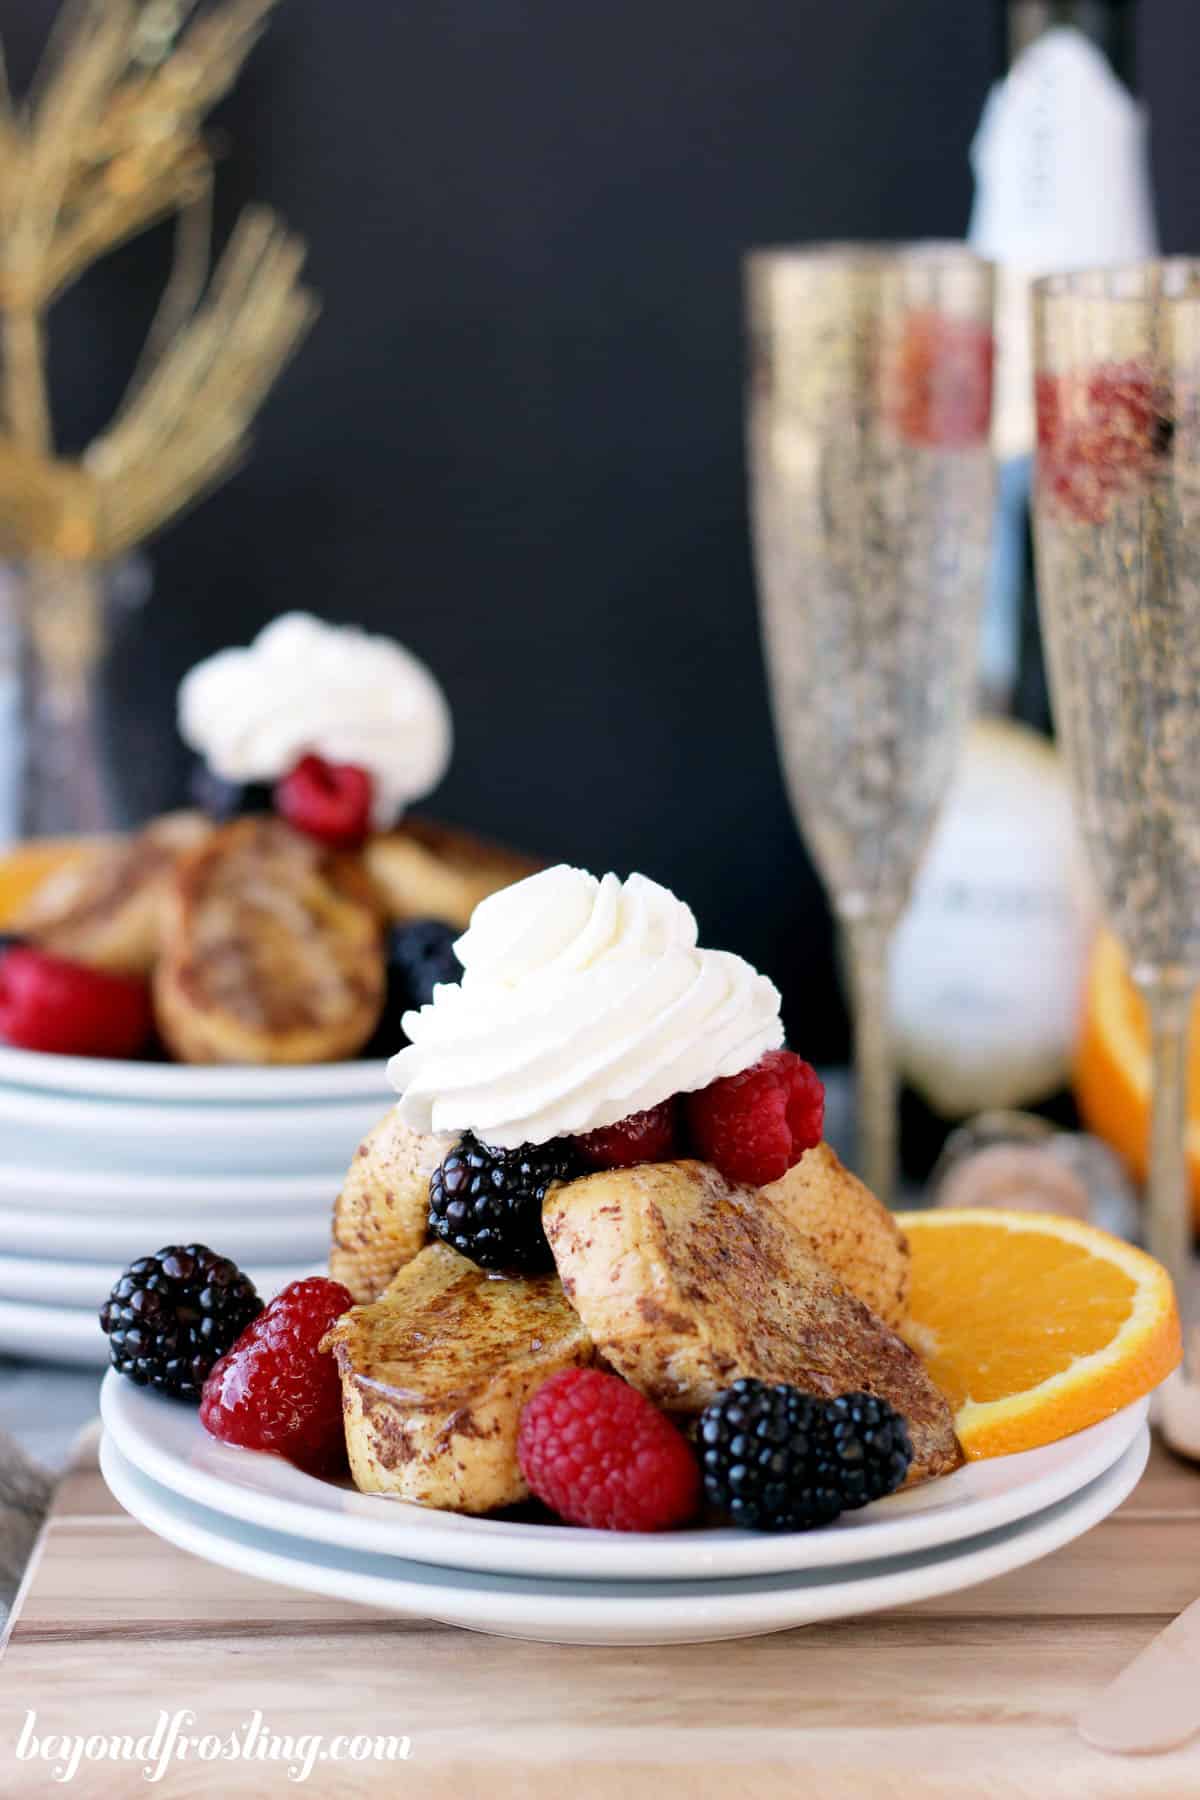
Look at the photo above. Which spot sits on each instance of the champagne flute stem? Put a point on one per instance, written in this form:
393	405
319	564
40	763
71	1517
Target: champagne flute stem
1169	1214
867	943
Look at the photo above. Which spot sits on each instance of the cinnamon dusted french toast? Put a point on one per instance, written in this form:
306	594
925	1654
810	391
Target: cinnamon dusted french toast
380	1218
853	1233
106	905
272	952
435	1373
426	870
685	1282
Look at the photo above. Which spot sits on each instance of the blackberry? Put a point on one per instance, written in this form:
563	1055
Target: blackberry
173	1315
487	1204
420	954
225	800
775	1459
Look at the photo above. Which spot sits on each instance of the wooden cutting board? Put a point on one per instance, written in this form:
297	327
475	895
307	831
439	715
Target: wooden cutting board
974	1695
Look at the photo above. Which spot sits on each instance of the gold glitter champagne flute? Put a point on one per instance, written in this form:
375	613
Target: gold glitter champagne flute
868	408
1117	532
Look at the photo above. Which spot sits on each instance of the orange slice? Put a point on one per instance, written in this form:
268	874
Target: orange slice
24	868
1034	1326
1112	1065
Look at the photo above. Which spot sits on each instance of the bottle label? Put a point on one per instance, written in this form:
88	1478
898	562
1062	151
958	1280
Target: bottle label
1062	181
987	966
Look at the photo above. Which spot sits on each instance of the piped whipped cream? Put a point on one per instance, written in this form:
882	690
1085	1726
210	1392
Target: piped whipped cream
307	688
582	1000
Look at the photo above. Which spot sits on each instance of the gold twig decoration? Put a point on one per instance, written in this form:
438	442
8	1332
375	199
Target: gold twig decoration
110	141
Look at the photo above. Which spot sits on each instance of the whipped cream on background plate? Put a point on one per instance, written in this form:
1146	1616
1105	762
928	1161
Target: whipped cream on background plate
307	688
582	1000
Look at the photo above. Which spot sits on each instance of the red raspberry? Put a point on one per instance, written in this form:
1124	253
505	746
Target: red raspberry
275	1390
757	1125
598	1453
1097	433
328	801
938	382
48	1003
648	1136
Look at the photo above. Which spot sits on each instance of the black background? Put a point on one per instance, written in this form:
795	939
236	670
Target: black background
514	439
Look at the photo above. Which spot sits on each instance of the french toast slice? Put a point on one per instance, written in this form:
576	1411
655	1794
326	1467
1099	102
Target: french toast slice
105	906
854	1233
685	1283
380	1218
435	1373
429	871
272	950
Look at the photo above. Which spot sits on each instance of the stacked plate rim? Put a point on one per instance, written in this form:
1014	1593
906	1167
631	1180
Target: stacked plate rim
102	1161
559	1584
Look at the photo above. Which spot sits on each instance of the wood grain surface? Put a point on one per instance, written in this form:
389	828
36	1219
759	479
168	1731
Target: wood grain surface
973	1695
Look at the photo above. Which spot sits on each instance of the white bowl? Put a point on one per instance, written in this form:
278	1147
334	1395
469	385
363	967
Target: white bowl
125	1193
86	1285
183	1084
53	1131
85	1237
71	1335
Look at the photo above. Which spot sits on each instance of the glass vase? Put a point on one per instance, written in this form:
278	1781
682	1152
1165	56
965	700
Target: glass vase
57	620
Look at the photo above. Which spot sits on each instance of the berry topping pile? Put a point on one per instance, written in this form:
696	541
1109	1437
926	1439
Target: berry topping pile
1098	433
937	384
327	801
776	1459
651	1136
487	1204
754	1126
172	1315
275	1390
49	1003
598	1453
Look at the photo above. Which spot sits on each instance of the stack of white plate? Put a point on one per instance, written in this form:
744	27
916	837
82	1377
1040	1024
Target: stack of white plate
104	1161
260	1516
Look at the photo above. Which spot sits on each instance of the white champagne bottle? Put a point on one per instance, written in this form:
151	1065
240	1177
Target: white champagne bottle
988	963
987	967
1062	181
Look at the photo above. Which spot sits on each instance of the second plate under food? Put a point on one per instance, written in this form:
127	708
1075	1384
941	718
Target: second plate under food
615	1612
62	1131
187	1084
167	1442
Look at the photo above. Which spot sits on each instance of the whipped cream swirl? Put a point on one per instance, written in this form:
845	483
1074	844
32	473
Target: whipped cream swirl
307	688
581	1001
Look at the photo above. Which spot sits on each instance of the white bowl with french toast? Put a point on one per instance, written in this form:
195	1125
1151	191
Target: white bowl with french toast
608	1321
192	1013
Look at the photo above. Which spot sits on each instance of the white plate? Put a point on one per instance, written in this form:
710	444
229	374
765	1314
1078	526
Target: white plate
84	1285
71	1335
53	1131
594	1612
168	1443
133	1192
187	1084
52	1334
245	1236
